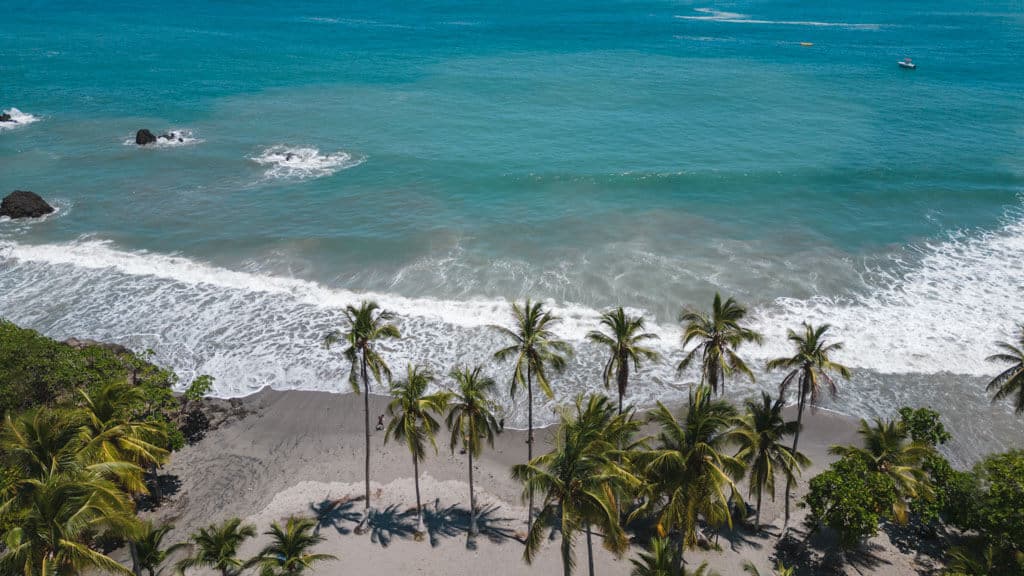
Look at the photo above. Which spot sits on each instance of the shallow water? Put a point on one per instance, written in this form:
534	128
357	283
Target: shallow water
445	159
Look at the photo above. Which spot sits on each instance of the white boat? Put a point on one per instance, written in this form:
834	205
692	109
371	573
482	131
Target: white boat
908	64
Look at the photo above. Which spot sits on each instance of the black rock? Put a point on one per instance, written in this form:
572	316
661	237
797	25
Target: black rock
143	137
5	117
22	204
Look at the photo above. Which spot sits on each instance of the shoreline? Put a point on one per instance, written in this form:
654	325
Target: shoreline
294	450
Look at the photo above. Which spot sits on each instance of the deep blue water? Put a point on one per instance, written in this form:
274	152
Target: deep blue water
446	157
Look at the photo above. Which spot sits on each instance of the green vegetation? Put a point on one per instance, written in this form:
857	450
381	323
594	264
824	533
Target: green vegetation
719	336
471	420
216	546
851	499
1010	382
288	553
624	347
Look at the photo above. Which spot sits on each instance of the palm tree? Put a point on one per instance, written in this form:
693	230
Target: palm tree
579	479
889	450
56	517
535	348
149	546
412	421
689	468
810	367
624	347
659	560
719	335
288	552
217	547
364	327
759	434
470	420
1011	381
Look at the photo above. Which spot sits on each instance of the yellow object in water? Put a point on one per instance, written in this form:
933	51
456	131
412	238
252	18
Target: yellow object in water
807	43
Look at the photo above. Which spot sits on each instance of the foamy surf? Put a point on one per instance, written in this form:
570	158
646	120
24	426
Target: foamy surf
300	163
170	139
711	15
19	119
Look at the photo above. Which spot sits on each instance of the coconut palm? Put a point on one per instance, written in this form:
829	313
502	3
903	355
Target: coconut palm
365	326
659	560
288	553
471	420
624	346
112	434
579	479
1011	381
56	516
888	449
149	545
534	349
689	469
759	435
719	337
216	546
810	367
412	421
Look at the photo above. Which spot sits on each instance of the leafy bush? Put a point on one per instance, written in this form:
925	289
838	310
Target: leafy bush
925	426
999	506
851	499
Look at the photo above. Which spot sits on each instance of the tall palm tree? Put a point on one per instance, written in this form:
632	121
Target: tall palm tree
579	479
624	346
1011	381
888	449
288	553
364	327
719	336
149	544
216	546
659	560
534	349
56	516
689	469
471	420
759	435
412	413
810	367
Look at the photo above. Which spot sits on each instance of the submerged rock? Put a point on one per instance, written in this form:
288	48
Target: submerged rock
143	137
24	204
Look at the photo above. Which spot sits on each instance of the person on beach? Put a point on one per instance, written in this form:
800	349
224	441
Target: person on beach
380	422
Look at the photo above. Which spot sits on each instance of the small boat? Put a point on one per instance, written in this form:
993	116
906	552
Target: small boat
807	43
908	64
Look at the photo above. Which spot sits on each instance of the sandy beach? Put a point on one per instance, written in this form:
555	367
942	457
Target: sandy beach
295	451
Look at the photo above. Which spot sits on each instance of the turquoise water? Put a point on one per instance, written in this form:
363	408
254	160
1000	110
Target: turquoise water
446	158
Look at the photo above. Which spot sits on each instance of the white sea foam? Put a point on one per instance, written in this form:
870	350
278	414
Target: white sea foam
304	162
711	15
169	139
19	119
935	312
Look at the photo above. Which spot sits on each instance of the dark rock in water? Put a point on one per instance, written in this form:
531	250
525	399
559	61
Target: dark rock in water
23	204
143	137
5	117
167	137
80	344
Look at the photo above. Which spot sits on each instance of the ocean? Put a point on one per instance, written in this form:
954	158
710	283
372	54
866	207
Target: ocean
445	158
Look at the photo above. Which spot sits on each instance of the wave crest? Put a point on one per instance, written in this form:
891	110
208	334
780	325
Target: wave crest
18	118
300	163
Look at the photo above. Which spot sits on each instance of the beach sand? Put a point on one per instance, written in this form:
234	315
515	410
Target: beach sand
297	450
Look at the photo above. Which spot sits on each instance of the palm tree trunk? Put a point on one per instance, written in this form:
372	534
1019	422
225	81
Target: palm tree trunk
366	422
472	498
677	564
566	555
134	549
623	378
757	521
796	439
157	493
529	441
590	551
419	507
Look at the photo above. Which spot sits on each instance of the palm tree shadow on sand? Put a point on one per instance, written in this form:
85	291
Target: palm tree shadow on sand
387	524
333	513
453	521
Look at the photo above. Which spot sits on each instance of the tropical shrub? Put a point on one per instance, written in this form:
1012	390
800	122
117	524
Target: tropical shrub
851	499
